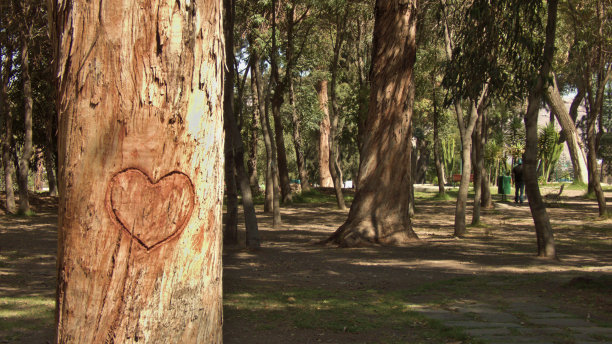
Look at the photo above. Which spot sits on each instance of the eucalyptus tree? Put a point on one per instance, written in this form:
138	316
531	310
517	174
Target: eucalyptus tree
519	52
592	22
140	161
379	212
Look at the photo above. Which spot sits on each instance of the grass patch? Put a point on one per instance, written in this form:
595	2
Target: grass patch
20	314
576	186
316	196
353	311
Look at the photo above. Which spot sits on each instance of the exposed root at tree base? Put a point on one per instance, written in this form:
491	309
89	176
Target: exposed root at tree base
363	234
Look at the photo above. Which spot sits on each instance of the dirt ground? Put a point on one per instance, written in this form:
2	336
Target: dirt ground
495	263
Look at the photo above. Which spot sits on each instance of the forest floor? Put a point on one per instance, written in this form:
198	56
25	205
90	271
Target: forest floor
435	290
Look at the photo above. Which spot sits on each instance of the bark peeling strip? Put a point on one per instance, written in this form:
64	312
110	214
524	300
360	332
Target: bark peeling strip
163	187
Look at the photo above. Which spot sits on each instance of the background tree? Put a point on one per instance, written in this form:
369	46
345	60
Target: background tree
379	213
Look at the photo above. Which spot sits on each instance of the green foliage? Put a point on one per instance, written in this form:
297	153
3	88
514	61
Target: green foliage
549	149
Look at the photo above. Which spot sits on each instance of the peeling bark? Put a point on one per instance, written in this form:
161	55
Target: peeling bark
140	170
325	178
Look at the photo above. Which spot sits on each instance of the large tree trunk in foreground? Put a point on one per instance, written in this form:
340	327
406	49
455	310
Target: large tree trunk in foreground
27	151
544	234
379	213
325	178
573	140
140	161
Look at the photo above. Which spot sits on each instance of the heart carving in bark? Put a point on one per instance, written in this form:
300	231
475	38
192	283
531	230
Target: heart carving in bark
151	211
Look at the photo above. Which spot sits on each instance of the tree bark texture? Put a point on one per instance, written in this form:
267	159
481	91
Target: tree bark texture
544	233
7	146
379	212
325	178
234	149
478	157
485	196
140	171
259	99
27	151
49	154
437	148
230	231
572	139
297	141
466	151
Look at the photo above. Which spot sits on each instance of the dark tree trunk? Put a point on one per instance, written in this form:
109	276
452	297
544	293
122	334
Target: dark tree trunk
272	197
7	139
234	149
230	232
27	151
325	178
478	168
252	162
281	152
379	213
297	141
141	171
486	199
544	234
49	154
334	149
437	148
259	99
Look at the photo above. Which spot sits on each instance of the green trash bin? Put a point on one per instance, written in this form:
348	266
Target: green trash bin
504	186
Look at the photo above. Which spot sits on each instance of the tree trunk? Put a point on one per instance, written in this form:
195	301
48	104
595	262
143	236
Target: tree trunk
297	141
573	140
49	155
7	139
544	234
272	197
466	151
140	161
281	152
485	196
234	149
259	99
437	148
230	231
478	168
379	213
252	162
325	178
27	150
334	148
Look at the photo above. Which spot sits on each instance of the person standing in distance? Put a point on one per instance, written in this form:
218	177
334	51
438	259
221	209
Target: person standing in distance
519	181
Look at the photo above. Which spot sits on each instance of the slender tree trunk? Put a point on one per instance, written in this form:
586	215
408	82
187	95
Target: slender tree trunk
27	151
466	150
140	160
485	196
334	149
7	146
272	197
49	155
325	178
281	152
230	232
437	148
297	140
252	162
573	140
234	149
379	213
544	233
259	99
478	167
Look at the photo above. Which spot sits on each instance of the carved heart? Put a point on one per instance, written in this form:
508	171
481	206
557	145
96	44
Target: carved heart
152	212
